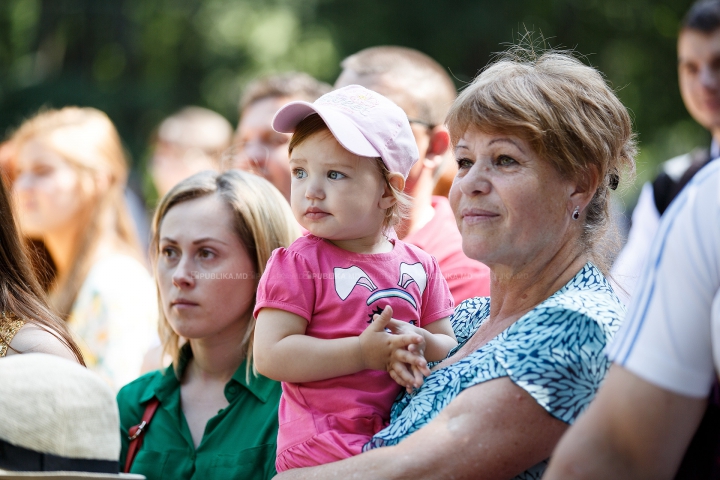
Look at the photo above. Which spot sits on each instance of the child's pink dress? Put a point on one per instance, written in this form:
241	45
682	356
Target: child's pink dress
338	292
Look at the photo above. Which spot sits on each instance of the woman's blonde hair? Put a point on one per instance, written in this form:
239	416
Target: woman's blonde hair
394	215
568	114
87	139
263	222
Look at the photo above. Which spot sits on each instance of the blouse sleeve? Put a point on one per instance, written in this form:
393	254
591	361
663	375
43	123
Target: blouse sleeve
468	316
287	284
558	359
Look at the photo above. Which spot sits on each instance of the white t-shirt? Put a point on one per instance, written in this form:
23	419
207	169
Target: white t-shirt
671	335
629	264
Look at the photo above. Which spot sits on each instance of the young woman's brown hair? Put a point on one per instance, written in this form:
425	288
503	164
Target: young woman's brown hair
21	296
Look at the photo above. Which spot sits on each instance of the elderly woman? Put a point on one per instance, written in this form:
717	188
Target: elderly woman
217	418
539	141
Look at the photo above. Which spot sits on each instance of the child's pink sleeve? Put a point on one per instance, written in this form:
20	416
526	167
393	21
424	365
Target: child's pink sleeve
287	284
437	300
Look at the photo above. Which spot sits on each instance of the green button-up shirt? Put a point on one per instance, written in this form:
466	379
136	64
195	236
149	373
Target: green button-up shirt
239	442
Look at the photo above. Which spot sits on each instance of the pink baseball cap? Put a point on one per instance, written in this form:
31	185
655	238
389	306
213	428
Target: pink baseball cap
362	121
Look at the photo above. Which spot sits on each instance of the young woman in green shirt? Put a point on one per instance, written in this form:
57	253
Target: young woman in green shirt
217	418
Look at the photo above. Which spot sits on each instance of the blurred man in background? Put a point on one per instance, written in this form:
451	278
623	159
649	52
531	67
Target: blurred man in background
188	142
699	77
424	90
259	148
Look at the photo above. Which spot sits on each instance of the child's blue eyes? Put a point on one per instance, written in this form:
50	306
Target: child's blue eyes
299	173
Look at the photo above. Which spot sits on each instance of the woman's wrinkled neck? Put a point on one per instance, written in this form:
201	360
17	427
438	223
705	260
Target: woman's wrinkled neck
517	289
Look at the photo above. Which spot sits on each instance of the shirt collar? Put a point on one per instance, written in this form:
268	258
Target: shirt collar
166	383
714	149
260	386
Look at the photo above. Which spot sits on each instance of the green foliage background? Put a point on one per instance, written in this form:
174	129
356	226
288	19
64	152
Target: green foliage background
140	60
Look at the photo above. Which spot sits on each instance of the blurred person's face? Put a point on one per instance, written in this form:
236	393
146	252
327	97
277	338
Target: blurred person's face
699	76
205	277
510	205
260	149
48	190
172	163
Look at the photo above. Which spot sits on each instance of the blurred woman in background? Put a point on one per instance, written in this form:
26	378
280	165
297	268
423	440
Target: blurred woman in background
26	323
70	174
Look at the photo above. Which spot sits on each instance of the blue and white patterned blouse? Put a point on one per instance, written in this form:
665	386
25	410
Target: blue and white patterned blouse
554	352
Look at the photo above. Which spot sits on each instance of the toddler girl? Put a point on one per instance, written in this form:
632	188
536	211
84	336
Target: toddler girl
350	153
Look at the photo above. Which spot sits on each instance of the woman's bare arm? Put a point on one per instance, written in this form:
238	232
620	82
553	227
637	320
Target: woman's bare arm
494	430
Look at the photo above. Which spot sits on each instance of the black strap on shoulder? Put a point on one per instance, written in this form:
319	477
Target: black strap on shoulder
665	188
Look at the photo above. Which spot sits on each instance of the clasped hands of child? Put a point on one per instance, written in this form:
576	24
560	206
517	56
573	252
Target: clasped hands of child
399	348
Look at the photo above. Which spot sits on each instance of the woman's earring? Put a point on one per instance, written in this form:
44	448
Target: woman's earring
576	213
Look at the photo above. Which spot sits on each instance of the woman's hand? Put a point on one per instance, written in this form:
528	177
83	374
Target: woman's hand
391	351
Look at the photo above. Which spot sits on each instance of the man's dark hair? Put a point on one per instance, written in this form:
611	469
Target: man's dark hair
703	16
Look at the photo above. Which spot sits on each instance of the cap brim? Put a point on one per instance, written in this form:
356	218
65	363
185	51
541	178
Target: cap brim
69	475
343	129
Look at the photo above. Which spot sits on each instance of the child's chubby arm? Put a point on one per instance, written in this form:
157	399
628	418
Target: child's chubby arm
438	337
409	366
283	352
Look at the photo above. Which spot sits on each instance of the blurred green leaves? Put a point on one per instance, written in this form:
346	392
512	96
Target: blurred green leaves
140	60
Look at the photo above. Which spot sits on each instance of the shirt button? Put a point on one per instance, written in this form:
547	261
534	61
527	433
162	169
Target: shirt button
232	389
